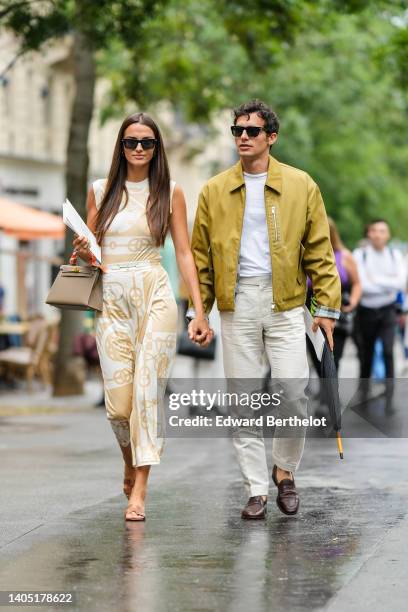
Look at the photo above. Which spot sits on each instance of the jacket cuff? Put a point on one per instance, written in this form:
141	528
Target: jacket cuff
325	311
318	310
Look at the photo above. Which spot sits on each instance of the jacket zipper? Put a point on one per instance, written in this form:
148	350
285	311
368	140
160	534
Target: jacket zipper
240	237
277	239
275	224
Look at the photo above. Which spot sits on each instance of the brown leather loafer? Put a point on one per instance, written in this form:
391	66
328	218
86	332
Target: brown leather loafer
288	498
255	508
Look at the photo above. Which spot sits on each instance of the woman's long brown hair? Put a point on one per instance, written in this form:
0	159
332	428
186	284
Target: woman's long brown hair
335	236
158	203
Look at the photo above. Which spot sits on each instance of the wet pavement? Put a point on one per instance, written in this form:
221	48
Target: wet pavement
62	524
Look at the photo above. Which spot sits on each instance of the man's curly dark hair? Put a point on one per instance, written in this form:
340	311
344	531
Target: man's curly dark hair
262	110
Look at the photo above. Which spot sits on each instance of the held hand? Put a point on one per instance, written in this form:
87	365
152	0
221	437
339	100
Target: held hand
200	332
327	325
209	338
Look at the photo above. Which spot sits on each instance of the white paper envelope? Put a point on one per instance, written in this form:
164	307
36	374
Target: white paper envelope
316	337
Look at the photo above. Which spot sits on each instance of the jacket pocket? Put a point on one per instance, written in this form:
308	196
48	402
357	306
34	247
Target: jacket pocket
300	272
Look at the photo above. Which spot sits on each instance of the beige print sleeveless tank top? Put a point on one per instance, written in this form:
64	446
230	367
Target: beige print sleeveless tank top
128	238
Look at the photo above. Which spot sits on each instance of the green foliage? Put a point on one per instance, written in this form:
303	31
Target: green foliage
35	23
343	120
184	57
38	21
393	54
335	78
335	71
200	55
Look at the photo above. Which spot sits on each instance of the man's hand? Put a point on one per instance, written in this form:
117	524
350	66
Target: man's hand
200	332
327	325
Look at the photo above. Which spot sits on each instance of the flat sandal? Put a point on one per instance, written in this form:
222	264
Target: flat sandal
133	509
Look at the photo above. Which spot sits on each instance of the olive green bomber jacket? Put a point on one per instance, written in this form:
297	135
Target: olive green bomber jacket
299	240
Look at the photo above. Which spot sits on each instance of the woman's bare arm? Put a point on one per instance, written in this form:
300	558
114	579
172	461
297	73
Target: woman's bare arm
186	265
352	271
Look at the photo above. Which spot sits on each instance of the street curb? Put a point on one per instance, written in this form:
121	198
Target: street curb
7	411
41	401
381	583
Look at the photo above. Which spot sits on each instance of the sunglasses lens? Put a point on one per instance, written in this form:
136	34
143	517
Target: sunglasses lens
253	131
129	143
147	143
237	130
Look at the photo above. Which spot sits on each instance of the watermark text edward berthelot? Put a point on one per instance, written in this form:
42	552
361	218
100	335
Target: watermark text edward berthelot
259	421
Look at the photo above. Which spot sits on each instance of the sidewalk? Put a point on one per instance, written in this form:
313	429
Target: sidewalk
194	547
62	522
381	583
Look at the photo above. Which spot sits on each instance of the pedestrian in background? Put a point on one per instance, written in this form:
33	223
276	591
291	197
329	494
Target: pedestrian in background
350	294
260	227
350	291
130	212
383	274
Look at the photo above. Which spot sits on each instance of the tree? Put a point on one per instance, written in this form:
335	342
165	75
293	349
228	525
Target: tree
326	82
91	26
343	120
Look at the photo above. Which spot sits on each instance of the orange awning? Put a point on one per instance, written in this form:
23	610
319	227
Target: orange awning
27	223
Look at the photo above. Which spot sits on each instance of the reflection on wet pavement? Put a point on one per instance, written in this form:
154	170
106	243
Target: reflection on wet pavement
194	553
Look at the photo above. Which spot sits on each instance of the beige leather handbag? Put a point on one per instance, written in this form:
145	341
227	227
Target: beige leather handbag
77	287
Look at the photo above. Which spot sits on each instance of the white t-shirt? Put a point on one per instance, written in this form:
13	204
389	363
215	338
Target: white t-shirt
382	274
254	257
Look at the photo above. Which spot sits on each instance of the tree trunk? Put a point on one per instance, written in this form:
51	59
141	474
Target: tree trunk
69	374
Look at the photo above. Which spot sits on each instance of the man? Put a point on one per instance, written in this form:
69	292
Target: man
260	227
383	275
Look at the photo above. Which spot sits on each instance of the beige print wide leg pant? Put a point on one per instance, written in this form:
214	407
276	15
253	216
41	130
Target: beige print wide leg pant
249	333
136	339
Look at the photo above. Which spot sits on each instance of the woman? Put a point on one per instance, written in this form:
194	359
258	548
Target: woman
350	292
130	213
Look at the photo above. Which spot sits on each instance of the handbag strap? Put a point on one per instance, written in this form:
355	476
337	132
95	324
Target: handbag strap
73	261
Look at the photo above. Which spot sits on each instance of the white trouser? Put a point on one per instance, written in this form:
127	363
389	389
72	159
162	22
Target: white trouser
248	333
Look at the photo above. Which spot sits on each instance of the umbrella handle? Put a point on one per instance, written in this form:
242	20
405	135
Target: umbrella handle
339	444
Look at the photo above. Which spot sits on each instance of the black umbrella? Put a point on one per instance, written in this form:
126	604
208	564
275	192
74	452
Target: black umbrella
328	372
328	375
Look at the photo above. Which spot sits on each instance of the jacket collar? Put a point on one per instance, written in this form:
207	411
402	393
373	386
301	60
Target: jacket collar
273	180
